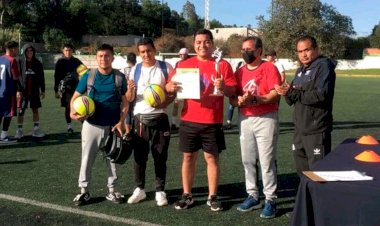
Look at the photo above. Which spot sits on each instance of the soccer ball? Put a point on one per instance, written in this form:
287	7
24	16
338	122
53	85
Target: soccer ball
154	95
84	106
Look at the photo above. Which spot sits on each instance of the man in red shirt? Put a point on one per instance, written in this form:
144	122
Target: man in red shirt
258	105
202	119
9	87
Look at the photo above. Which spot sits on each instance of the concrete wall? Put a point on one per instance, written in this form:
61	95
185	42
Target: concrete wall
121	62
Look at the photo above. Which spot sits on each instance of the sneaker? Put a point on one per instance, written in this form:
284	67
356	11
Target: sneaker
174	127
214	204
137	196
250	203
161	198
7	140
269	210
184	202
70	131
37	132
82	199
115	197
19	134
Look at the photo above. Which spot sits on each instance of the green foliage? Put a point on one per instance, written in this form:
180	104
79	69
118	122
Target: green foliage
8	35
293	18
54	39
374	38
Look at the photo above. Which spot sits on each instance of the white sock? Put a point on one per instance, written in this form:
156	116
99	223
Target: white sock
4	134
68	125
175	120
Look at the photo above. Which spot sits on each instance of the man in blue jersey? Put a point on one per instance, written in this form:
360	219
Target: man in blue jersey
10	87
111	108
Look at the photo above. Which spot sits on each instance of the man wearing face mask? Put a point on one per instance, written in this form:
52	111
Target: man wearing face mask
258	105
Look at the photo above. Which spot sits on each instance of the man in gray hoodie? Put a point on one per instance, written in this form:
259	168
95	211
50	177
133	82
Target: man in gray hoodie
311	92
32	80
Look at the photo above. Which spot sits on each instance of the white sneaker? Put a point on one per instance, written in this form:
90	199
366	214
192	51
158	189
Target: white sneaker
137	196
19	134
37	132
161	198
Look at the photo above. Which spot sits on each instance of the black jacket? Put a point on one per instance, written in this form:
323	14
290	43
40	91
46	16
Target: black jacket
32	76
312	93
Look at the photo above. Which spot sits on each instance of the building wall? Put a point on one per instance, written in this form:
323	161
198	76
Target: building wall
225	33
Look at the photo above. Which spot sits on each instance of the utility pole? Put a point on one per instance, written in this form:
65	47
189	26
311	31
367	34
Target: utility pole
207	8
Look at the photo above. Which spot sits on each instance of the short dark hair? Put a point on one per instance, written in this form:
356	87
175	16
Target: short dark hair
270	52
145	41
204	32
307	37
68	45
131	57
11	45
104	47
257	40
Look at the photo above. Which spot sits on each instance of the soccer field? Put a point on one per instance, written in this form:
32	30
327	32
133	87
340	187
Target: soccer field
39	177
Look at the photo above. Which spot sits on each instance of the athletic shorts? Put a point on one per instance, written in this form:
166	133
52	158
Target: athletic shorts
32	102
195	136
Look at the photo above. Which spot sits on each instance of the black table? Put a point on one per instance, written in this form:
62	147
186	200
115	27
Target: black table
340	203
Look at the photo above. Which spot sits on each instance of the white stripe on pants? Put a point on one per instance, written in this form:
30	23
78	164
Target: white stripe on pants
93	137
258	140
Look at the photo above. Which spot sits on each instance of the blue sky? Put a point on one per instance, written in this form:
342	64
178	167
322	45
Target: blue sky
364	13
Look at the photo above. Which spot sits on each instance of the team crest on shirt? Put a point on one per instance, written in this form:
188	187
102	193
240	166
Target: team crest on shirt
251	87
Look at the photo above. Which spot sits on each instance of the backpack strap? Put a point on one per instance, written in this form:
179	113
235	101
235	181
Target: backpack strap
90	81
118	81
164	69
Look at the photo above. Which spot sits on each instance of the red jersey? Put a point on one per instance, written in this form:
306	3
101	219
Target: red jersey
208	109
260	81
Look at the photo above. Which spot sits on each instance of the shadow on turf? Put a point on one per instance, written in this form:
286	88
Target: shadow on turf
17	162
233	194
49	139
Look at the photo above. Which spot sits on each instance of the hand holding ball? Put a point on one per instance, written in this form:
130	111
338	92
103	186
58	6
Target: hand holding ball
154	95
84	106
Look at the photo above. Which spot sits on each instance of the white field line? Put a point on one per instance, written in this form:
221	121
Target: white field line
75	211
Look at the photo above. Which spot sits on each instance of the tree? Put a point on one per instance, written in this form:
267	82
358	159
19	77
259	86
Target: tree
293	18
188	12
374	38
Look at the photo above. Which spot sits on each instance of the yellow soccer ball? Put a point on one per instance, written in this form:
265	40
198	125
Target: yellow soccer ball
84	106
154	95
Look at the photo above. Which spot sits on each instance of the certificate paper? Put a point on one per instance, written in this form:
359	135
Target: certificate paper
352	175
189	81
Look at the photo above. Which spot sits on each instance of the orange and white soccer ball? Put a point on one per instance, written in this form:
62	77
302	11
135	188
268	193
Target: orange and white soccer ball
154	95
84	106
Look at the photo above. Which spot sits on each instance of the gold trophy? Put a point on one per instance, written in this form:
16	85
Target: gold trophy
217	54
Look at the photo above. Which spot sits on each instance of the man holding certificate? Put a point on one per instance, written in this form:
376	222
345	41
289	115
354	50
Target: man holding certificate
202	113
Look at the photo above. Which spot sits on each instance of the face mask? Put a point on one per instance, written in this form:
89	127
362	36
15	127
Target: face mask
249	56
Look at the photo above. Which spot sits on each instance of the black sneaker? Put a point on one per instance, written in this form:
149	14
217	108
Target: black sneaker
174	128
82	199
184	202
214	204
70	131
115	197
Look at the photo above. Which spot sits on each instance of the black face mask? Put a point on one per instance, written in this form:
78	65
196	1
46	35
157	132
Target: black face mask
249	56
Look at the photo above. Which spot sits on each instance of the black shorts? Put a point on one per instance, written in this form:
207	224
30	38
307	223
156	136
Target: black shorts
195	136
32	102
